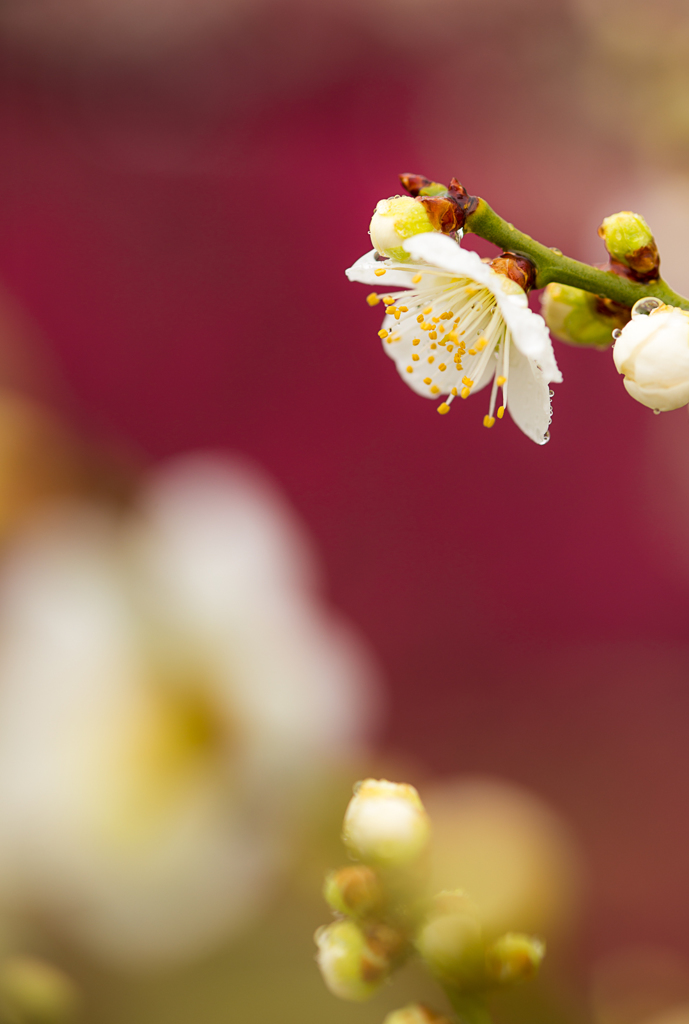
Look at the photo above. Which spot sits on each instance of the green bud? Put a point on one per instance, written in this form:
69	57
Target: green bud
354	891
514	957
395	220
386	824
35	992
629	240
415	1013
451	943
581	318
355	961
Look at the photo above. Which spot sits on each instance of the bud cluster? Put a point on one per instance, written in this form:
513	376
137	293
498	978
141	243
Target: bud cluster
384	914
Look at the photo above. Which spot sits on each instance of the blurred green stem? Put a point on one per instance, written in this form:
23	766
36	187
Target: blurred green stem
470	1009
551	265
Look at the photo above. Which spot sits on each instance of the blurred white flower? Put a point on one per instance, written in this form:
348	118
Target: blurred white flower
171	690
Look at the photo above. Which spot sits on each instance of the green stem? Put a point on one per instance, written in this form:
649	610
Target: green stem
471	1009
551	265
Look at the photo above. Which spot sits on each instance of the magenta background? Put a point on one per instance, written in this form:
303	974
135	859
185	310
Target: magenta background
187	272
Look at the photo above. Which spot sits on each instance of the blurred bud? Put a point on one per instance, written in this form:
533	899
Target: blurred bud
629	240
581	318
415	1013
450	940
514	957
653	354
386	824
35	992
394	221
354	891
356	961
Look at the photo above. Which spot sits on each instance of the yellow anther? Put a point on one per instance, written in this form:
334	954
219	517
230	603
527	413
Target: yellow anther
465	392
481	344
435	390
431	359
433	335
391	310
373	299
382	333
454	392
452	336
427	310
501	381
501	412
419	318
416	278
416	341
433	343
468	381
415	356
397	313
441	328
403	309
441	366
450	348
395	337
388	341
447	315
436	319
472	351
488	421
379	273
442	342
427	380
410	369
388	300
443	408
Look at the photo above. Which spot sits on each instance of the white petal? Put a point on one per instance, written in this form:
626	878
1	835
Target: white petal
364	271
529	397
443	252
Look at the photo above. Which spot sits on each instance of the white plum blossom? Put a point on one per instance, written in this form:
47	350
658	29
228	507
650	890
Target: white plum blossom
460	326
652	352
172	689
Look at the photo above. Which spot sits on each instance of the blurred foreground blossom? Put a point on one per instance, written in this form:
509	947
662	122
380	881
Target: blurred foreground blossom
172	689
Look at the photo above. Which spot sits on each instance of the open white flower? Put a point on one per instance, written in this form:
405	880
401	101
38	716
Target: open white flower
172	689
462	326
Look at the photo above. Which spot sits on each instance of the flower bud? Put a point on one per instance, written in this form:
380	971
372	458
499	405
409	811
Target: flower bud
581	318
35	992
354	891
415	1013
653	354
450	941
629	240
514	957
394	221
355	961
386	824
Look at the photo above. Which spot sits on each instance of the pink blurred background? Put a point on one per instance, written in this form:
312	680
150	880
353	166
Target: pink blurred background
174	228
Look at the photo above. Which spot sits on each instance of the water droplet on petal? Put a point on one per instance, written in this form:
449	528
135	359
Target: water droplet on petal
656	412
644	307
617	334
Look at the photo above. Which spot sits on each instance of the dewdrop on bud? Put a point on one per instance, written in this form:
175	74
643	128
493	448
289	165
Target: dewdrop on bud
394	221
355	961
416	1013
629	240
652	352
450	941
35	992
385	824
581	318
354	891
514	957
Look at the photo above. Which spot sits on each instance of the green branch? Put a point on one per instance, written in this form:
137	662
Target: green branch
470	1008
551	265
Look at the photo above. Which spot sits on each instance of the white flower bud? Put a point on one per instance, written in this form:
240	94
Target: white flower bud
653	354
394	221
355	961
386	824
